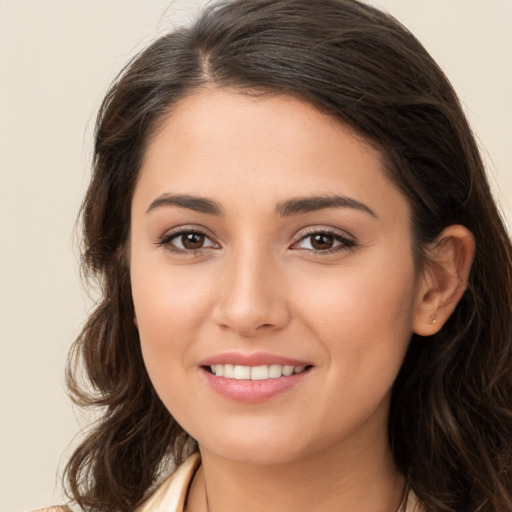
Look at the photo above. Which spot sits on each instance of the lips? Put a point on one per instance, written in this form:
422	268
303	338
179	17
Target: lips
253	377
253	359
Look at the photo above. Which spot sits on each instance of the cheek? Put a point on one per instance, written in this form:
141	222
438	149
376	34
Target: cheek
364	317
166	330
173	305
370	294
168	309
165	295
364	324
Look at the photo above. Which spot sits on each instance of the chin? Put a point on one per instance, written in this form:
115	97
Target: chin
257	446
254	454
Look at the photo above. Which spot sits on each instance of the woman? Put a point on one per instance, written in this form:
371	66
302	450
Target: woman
307	287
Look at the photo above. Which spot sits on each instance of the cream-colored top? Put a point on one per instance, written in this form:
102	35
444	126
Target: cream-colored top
171	494
413	505
53	509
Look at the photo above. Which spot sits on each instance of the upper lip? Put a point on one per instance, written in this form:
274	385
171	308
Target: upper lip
255	359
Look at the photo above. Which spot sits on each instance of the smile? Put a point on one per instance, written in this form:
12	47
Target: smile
253	378
261	372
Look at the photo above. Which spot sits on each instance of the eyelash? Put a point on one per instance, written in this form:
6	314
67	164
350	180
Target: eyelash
344	242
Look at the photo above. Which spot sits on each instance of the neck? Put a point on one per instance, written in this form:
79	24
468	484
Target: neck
324	481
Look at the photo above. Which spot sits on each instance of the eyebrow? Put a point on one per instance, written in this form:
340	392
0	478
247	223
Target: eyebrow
287	208
198	204
314	203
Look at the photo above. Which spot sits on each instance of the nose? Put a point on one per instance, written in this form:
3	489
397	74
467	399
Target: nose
252	296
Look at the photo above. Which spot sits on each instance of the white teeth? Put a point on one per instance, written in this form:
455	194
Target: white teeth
275	371
287	371
242	372
262	372
259	372
229	371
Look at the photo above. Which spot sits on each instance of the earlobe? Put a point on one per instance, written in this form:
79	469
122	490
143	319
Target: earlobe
444	279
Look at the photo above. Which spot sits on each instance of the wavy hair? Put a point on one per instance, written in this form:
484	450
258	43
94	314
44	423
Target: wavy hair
450	422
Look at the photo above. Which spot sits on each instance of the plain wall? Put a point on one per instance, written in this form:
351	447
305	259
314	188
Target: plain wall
57	58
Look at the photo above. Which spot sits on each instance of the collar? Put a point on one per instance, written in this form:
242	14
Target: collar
171	494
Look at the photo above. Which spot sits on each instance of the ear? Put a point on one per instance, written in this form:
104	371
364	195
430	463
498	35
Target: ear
444	279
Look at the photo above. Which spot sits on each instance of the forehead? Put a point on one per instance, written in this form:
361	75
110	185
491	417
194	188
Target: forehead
230	145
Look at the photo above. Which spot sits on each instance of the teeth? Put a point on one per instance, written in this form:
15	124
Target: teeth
228	372
262	372
259	372
242	372
275	371
287	371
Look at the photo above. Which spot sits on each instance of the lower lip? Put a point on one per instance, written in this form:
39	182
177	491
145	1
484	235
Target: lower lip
252	391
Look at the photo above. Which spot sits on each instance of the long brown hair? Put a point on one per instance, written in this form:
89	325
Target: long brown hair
450	423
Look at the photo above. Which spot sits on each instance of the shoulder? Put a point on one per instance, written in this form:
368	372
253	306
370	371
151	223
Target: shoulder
171	494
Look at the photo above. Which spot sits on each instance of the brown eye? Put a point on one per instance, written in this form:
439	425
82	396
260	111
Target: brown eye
322	241
185	241
192	241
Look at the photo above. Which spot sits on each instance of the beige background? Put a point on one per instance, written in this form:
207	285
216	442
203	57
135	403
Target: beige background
56	60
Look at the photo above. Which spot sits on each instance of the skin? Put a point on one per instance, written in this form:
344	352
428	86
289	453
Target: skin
256	285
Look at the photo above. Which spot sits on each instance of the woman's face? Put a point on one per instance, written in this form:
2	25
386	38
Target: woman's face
266	240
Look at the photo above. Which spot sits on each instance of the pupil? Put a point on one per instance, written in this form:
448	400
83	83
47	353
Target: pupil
322	241
193	241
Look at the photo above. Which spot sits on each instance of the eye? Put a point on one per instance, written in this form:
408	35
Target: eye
187	241
324	242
